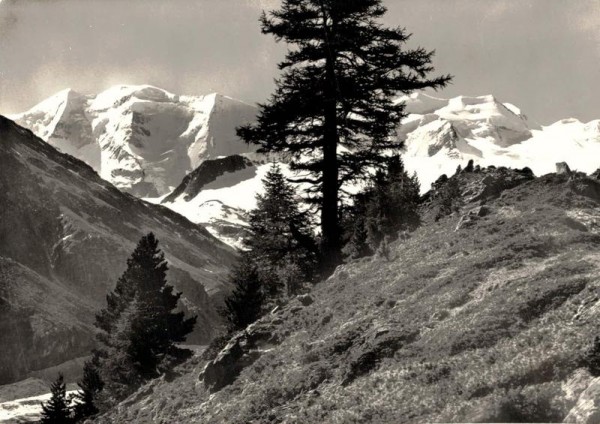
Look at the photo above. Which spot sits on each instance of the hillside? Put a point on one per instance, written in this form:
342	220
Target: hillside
483	315
65	236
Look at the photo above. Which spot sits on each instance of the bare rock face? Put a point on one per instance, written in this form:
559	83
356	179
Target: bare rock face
576	384
563	168
587	409
494	182
245	347
208	172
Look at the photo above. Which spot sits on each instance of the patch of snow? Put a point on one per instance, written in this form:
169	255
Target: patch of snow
24	410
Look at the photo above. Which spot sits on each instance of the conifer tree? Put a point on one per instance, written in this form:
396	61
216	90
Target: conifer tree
118	366
245	304
393	203
89	388
280	236
139	328
387	206
357	245
57	409
333	111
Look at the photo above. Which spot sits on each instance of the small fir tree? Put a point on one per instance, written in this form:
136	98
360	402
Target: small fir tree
357	245
449	197
245	304
57	409
119	368
470	166
89	388
139	328
280	236
392	203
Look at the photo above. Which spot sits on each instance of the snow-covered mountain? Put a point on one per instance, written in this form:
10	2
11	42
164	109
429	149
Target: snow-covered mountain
441	134
219	193
153	144
142	139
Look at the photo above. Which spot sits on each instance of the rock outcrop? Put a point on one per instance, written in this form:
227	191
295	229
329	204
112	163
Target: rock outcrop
242	351
563	168
207	173
587	408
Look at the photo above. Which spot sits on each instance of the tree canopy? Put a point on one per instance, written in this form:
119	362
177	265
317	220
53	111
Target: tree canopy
333	112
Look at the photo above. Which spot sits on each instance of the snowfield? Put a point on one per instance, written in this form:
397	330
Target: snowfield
25	410
441	134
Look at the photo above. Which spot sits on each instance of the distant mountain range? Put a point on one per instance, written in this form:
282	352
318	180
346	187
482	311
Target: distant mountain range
441	134
146	141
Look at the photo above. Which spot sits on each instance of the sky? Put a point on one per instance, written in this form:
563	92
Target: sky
541	55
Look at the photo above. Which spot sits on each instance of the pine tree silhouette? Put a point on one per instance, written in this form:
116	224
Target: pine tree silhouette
244	305
333	111
280	239
392	204
57	410
89	388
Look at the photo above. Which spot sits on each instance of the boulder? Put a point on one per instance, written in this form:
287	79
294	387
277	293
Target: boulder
587	408
243	350
305	299
465	221
480	211
576	384
563	168
470	218
495	181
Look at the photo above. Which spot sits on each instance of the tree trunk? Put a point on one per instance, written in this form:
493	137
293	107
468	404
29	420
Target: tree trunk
330	244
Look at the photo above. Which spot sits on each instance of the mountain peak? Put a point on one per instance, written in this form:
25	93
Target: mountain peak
117	95
141	138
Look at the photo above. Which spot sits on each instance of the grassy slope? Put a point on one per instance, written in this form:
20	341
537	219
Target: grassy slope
482	324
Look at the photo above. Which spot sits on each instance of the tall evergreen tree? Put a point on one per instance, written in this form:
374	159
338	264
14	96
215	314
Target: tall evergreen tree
245	304
280	237
333	111
139	328
57	409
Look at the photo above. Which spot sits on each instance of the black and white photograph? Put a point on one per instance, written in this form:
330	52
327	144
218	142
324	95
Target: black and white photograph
299	211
